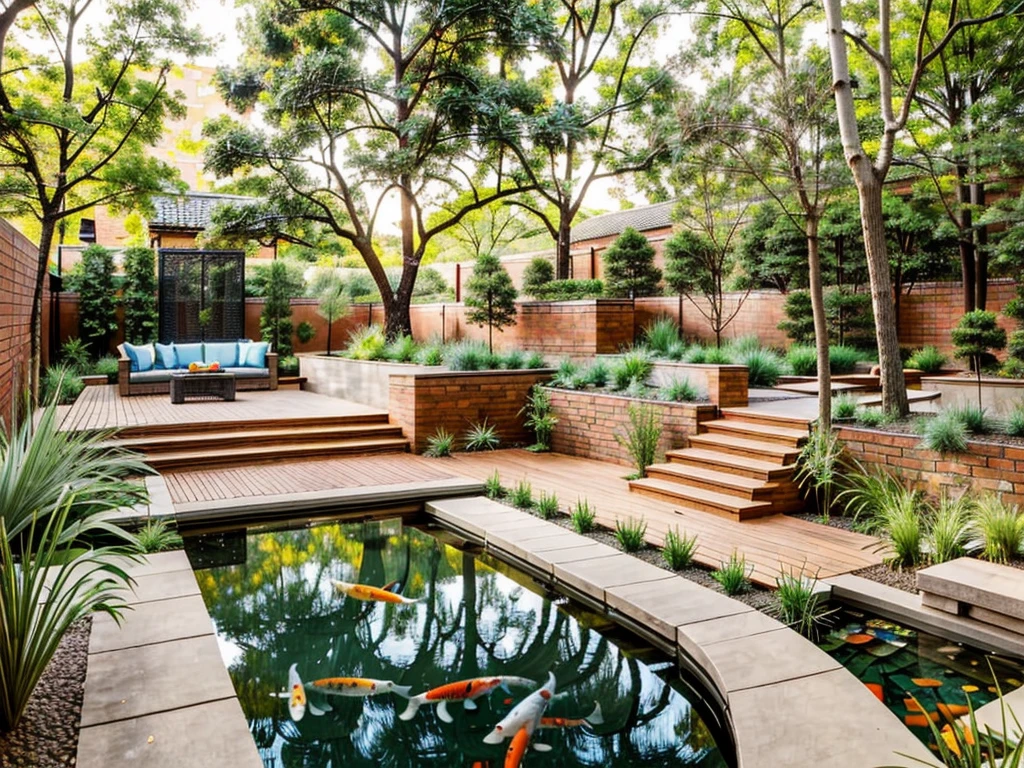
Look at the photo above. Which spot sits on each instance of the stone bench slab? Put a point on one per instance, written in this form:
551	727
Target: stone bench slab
998	588
547	559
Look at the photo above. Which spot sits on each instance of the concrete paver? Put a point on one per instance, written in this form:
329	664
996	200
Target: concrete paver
547	559
664	605
148	623
593	577
163	586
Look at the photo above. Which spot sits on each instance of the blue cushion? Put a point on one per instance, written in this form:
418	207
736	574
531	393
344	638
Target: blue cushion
166	357
225	353
256	355
188	353
143	356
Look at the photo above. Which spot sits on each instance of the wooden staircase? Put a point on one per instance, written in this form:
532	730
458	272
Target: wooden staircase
740	466
173	447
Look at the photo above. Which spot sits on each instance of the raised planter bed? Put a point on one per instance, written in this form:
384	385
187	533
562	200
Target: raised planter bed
725	385
998	396
359	381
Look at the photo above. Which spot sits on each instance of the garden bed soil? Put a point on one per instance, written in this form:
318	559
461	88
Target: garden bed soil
47	736
911	426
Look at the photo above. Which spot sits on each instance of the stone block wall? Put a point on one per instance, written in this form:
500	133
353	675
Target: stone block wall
588	423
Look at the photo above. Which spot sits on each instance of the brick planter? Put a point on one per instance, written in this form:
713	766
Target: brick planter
361	381
726	386
588	423
998	396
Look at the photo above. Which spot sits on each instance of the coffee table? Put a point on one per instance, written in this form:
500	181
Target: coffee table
202	386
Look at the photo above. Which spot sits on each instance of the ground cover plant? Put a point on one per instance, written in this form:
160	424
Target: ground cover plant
440	444
582	516
642	435
733	575
370	343
630	533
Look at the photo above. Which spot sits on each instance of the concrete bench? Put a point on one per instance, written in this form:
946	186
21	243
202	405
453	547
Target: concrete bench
988	592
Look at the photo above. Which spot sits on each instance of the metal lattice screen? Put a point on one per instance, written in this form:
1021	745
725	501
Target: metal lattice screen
202	295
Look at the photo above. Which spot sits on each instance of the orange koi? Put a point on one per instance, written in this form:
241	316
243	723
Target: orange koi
952	711
517	748
594	718
949	736
926	682
466	691
921	721
369	594
357	686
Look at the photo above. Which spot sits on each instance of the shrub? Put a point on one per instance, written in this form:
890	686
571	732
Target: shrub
642	436
431	354
157	536
973	418
697	354
521	495
799	606
535	360
107	366
546	506
493	487
679	391
482	436
844	407
1015	421
950	528
61	384
733	576
288	365
275	319
539	418
630	534
513	360
74	354
138	295
927	360
597	374
679	549
490	298
763	367
538	273
583	516
366	343
661	334
440	444
636	390
873	417
565	375
305	331
843	359
820	465
945	433
676	350
570	290
975	335
629	270
632	366
997	529
402	350
799	322
97	299
717	356
803	361
467	356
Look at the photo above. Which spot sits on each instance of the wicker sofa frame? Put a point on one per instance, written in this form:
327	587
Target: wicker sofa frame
127	388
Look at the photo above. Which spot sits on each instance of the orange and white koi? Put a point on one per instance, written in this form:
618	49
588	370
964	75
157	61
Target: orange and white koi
370	594
518	745
466	691
298	703
526	716
357	686
594	718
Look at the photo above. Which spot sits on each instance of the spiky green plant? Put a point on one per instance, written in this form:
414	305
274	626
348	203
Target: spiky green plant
733	575
513	360
1015	421
157	535
401	350
717	356
431	354
535	360
583	516
632	366
642	436
676	350
630	533
803	361
842	359
949	529
679	549
367	343
521	495
927	360
467	356
866	495
679	390
973	417
546	506
763	366
61	384
844	407
565	375
481	436
597	374
800	606
440	444
997	529
820	466
902	522
493	487
660	334
873	417
945	434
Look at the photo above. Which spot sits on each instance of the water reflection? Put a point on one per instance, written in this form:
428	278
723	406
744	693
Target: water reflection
473	618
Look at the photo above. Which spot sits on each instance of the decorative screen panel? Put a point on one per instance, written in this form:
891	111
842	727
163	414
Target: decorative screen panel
202	295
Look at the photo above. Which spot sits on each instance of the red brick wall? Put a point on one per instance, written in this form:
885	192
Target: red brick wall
425	402
985	466
931	311
759	315
588	255
17	284
588	423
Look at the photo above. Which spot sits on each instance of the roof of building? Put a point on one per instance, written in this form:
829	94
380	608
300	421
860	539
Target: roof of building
189	211
643	218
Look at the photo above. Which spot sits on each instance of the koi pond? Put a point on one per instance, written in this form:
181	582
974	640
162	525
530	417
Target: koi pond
344	640
917	675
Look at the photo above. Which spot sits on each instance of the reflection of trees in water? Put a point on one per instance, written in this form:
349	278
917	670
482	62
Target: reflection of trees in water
280	608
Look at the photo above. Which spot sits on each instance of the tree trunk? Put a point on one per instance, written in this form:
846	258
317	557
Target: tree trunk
980	250
820	325
965	238
36	346
397	321
562	257
330	327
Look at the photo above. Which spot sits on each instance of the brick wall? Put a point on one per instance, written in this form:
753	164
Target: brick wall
17	284
425	402
931	311
759	315
985	466
589	422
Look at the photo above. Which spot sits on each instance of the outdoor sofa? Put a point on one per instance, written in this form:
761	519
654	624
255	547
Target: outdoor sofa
146	369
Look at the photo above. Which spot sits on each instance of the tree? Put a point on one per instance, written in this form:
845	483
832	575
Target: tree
772	251
897	89
367	102
490	296
75	134
695	265
976	335
332	299
97	300
490	229
139	295
538	273
275	323
629	270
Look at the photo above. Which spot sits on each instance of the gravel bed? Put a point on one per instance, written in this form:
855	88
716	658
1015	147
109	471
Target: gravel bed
47	736
834	521
904	578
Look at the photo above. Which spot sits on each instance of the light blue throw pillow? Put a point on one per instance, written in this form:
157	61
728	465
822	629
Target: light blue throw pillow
225	353
188	353
166	357
143	356
256	355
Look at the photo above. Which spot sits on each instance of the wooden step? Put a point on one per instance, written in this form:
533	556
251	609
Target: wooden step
152	430
712	480
700	499
773	433
727	462
199	459
760	417
752	449
241	437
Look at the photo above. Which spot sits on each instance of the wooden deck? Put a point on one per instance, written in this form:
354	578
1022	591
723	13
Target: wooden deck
100	408
769	544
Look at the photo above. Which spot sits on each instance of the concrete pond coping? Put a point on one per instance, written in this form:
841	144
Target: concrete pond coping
787	703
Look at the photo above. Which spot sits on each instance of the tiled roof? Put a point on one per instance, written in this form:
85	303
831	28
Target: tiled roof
190	211
642	218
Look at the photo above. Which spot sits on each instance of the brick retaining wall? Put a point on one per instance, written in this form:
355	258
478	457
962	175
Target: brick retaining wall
18	263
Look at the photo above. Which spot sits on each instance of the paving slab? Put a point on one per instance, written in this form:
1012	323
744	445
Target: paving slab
827	720
147	623
664	605
976	582
593	577
741	624
162	586
154	678
161	562
990	716
520	542
547	559
213	734
474	515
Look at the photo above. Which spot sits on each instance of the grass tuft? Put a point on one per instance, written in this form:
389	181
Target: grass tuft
945	434
733	576
482	436
493	487
679	549
521	495
630	534
997	529
583	516
440	444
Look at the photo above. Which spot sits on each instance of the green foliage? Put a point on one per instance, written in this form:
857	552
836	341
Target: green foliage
630	534
402	350
566	375
61	384
430	354
679	391
481	436
900	518
629	270
275	325
521	495
679	549
546	506
74	354
843	360
107	366
799	605
440	444
799	322
1015	421
733	576
539	418
493	487
332	297
676	351
642	435
873	418
366	343
513	360
844	407
467	355
636	390
632	366
597	374
945	433
288	365
490	296
927	360
570	290
763	366
139	296
97	300
717	356
583	516
157	535
849	316
820	466
803	361
305	331
977	333
974	419
772	250
867	495
538	273
950	527
661	335
535	360
997	529
257	278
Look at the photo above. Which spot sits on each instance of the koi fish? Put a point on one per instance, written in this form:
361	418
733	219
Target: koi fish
518	746
370	594
357	686
594	718
525	715
297	694
466	691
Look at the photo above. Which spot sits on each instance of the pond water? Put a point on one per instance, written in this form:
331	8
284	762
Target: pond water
275	605
900	665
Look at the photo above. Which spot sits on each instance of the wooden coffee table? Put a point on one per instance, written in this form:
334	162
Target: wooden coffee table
202	386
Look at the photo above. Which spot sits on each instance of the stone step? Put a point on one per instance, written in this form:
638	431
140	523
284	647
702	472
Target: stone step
700	499
773	433
192	459
767	471
760	450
